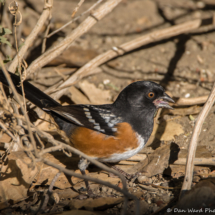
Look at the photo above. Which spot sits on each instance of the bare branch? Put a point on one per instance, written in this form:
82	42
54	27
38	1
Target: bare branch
190	101
30	39
194	140
126	47
20	103
88	178
73	20
197	161
46	199
77	7
91	20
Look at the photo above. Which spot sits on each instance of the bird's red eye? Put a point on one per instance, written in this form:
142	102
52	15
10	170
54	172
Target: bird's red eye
151	95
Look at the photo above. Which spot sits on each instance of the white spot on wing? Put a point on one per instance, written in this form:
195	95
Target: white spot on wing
92	120
97	127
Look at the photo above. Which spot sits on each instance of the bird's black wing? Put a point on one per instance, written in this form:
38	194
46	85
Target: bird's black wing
95	117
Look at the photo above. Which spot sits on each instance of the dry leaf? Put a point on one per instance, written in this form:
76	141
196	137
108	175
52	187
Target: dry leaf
77	97
16	178
95	95
182	111
5	138
168	129
47	173
156	162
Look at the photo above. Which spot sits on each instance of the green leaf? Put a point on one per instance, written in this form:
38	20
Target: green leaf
4	40
4	31
7	31
191	117
8	59
2	1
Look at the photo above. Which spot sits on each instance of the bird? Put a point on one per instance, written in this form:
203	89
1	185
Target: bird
109	132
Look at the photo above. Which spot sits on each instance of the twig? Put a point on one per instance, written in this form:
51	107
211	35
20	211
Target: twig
5	97
56	88
91	20
46	199
73	20
57	145
194	140
77	7
15	11
51	149
21	130
88	178
47	30
20	103
190	101
50	139
30	39
197	161
126	47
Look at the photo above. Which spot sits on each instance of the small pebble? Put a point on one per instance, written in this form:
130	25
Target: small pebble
104	189
200	4
97	191
149	180
142	179
106	81
114	191
110	190
187	95
130	184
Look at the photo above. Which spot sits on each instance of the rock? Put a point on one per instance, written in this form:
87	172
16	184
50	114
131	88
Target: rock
142	179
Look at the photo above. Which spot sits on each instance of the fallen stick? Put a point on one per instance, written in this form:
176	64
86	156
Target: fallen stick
190	101
194	140
131	45
73	20
196	161
89	22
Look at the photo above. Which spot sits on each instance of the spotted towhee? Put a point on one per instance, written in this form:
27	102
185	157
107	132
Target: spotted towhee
110	132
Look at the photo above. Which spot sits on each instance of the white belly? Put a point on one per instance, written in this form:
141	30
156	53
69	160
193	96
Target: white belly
125	155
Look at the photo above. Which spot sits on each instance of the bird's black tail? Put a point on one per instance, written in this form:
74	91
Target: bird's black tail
32	93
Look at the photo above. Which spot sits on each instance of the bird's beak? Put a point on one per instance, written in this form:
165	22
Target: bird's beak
162	102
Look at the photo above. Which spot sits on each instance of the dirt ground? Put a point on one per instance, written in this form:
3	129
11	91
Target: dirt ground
184	65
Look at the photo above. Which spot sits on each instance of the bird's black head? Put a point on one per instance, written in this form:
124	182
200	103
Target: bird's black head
137	104
144	95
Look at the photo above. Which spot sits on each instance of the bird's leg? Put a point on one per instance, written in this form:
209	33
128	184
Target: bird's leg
82	165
